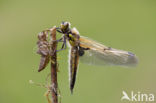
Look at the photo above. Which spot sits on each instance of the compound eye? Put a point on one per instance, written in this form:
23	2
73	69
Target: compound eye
64	23
64	26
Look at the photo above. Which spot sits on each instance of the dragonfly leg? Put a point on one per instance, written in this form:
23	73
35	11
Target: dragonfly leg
59	40
64	45
58	30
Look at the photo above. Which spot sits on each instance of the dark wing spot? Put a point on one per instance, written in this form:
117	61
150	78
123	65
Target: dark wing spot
86	48
81	52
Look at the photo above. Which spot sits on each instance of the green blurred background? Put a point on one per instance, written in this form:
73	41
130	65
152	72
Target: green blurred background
124	24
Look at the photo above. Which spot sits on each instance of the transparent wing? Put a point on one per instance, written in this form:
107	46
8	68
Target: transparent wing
98	54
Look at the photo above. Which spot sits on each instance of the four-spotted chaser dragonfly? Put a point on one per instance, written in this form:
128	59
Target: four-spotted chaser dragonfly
90	52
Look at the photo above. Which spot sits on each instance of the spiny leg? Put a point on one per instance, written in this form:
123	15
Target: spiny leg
64	45
58	30
59	40
64	41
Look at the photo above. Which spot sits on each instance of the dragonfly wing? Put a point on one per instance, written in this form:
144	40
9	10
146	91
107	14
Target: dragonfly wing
98	54
73	65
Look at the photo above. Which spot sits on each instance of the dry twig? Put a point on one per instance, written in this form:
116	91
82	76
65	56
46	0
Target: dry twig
54	65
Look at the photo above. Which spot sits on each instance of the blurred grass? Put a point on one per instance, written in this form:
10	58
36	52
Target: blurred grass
123	24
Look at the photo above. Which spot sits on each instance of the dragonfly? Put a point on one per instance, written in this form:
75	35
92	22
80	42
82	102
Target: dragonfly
90	52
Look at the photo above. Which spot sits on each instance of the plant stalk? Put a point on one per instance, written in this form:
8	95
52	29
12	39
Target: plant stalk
54	85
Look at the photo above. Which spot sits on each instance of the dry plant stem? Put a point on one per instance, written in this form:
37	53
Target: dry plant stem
54	66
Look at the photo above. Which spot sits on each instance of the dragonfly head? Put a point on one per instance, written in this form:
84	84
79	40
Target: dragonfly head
65	27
